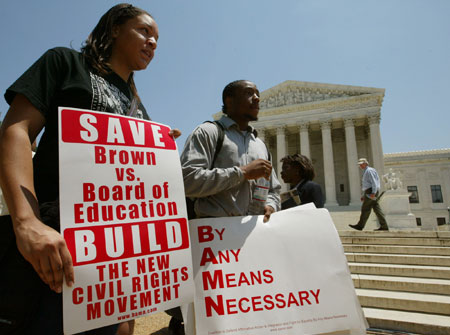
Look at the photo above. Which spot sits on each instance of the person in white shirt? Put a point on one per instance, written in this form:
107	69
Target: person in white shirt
370	197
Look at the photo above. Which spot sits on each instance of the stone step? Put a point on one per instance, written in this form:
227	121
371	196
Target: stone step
395	234
394	249
403	284
402	278
399	259
405	301
416	271
434	242
419	323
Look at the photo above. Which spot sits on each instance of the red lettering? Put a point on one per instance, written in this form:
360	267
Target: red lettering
157	296
93	311
113	270
220	233
175	288
242	308
209	281
100	290
104	243
205	234
256	301
95	128
166	293
100	269
125	272
92	213
100	157
77	295
184	274
78	212
154	280
279	299
303	295
268	276
268	300
163	261
122	304
316	296
88	192
145	299
292	300
109	307
165	278
231	303
243	279
136	284
210	304
137	157
119	174
119	212
231	280
119	288
208	256
133	302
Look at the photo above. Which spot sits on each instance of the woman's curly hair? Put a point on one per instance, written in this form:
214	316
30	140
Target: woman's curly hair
303	163
97	48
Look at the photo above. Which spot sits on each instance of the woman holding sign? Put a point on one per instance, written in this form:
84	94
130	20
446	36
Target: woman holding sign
34	257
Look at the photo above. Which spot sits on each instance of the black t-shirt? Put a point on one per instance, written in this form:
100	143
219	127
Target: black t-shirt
62	78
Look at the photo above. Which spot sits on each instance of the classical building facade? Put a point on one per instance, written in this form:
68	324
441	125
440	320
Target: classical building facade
426	176
334	125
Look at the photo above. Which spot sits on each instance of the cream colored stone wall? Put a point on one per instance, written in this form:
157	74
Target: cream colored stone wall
423	169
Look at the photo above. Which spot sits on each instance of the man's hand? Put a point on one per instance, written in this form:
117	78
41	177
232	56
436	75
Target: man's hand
175	133
47	252
257	169
372	196
268	210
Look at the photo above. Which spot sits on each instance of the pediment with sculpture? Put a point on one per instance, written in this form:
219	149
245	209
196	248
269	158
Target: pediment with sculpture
300	92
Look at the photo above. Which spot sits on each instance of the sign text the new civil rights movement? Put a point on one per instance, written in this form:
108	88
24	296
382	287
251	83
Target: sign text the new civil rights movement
123	217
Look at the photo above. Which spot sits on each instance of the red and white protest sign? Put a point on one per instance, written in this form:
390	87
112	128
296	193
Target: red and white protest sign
123	216
287	276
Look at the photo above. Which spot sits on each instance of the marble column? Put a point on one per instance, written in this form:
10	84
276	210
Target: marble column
281	152
352	161
375	141
328	164
304	140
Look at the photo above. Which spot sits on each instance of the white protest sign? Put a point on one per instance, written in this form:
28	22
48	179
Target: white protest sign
287	276
123	216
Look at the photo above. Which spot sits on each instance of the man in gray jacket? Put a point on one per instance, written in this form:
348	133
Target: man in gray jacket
224	187
222	182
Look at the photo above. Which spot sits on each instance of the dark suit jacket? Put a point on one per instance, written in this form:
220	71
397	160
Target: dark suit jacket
308	191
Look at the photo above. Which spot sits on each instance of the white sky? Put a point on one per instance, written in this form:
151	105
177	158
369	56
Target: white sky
400	45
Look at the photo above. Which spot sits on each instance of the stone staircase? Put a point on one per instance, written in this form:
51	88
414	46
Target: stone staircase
402	278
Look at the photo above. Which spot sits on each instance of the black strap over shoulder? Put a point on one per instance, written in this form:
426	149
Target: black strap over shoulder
220	138
190	202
